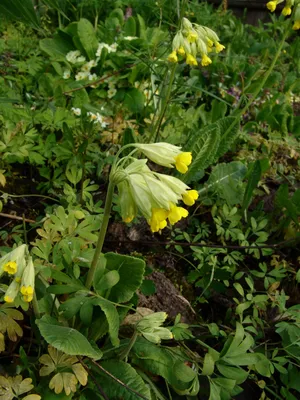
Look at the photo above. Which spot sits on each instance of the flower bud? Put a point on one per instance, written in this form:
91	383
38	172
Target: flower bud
27	282
12	292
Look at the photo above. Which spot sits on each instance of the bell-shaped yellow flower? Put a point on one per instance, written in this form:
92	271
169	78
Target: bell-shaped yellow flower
192	37
189	197
173	57
296	25
182	161
10	267
176	214
271	5
181	51
12	292
286	11
219	47
27	282
205	60
158	219
191	60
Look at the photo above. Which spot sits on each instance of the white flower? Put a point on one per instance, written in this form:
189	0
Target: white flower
111	93
130	37
97	119
76	111
113	47
92	77
67	74
81	75
80	59
89	65
72	56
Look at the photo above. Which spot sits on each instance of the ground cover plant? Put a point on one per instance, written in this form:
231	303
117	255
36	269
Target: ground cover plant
149	201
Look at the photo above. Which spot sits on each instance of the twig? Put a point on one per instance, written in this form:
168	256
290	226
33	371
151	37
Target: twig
118	381
99	80
103	394
214	246
18	218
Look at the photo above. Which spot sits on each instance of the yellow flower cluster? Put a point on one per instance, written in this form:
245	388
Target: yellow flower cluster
192	40
287	10
19	264
152	194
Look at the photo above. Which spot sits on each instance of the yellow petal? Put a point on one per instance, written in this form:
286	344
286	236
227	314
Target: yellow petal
182	161
189	197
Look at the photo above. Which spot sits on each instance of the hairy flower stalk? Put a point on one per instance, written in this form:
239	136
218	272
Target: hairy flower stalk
144	192
194	40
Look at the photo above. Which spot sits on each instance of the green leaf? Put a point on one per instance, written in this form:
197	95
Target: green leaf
238	374
228	130
208	365
131	271
126	374
58	47
66	339
130	27
109	280
20	10
87	37
112	317
203	150
254	178
225	180
134	100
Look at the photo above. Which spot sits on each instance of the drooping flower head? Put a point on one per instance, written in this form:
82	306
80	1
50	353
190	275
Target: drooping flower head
194	40
154	195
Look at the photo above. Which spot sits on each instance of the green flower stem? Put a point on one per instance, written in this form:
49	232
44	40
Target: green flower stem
165	104
35	306
124	354
102	233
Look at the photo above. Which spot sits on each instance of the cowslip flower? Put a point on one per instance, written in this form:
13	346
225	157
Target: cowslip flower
192	40
205	60
14	262
271	5
167	155
27	282
152	194
12	291
296	25
191	60
189	197
173	57
10	267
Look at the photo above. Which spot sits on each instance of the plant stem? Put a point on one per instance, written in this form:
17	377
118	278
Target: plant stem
101	237
165	104
35	306
125	353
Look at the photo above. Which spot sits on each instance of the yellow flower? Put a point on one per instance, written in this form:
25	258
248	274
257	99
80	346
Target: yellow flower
189	197
205	60
128	219
192	37
272	5
27	293
12	292
191	60
286	11
173	57
27	283
219	47
182	161
296	25
176	213
209	49
181	51
158	219
11	267
209	42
